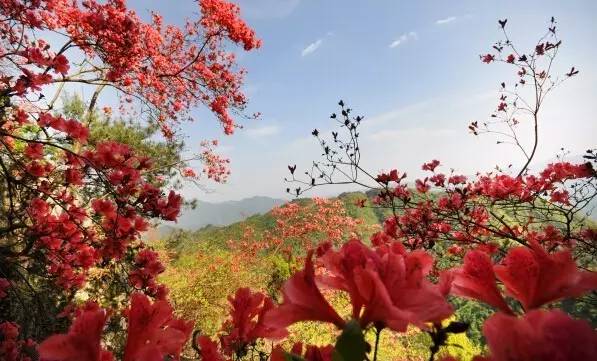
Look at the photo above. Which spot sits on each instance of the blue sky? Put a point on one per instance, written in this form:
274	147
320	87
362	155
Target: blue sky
411	67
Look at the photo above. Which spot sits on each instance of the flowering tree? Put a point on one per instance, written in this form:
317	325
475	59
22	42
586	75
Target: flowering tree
523	230
299	226
73	206
549	206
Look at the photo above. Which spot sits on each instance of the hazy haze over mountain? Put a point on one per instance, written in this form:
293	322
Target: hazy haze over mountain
225	213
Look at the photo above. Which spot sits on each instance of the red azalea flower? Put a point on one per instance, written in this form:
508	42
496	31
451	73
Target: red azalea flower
487	58
560	196
34	151
38	169
422	186
82	342
153	333
387	286
540	336
209	349
60	64
535	278
303	301
246	320
476	280
405	277
431	165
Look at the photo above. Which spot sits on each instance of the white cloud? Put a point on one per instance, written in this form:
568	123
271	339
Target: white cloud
311	47
264	131
446	20
404	38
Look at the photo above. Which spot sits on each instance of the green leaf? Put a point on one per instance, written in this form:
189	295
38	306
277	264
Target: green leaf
351	345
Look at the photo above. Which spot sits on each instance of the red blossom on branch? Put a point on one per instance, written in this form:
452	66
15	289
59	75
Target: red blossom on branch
539	335
303	301
247	321
82	342
535	278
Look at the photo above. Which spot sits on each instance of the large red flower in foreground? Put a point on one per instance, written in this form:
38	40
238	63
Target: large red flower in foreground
354	269
153	333
82	342
209	349
387	286
476	279
540	336
535	278
303	301
246	323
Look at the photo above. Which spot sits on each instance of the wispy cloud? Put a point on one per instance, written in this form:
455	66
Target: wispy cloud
404	38
445	20
264	131
311	48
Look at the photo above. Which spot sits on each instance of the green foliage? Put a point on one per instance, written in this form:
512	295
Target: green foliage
473	313
351	345
200	277
200	282
461	347
182	241
142	138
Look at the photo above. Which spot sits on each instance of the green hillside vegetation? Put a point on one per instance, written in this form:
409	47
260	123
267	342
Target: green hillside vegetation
203	271
182	241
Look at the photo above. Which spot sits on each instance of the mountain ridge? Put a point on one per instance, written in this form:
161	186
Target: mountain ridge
217	214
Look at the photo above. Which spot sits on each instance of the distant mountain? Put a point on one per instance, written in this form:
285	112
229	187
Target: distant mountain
218	236
208	214
225	213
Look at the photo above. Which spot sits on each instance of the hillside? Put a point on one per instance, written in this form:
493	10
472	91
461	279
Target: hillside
225	213
209	215
185	239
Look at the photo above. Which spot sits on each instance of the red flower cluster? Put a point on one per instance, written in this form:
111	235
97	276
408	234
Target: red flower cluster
387	288
171	69
73	128
431	219
529	274
143	277
214	165
221	15
539	335
11	347
246	322
153	334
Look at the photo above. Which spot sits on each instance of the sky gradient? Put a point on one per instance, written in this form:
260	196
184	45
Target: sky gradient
410	67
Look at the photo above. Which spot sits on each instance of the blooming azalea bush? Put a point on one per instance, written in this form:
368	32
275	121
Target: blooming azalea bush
75	201
299	226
